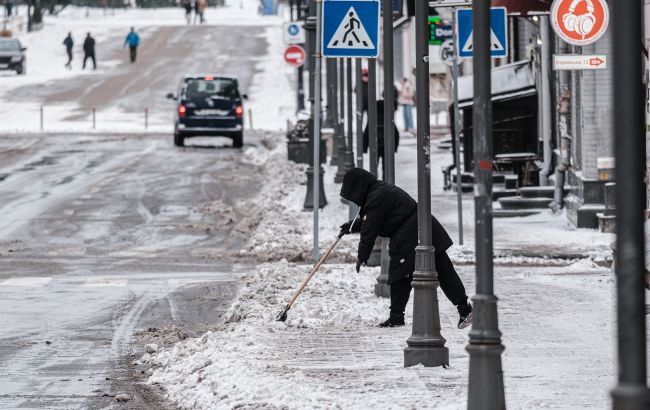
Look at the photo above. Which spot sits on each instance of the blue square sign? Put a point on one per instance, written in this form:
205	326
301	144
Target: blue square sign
350	28
498	32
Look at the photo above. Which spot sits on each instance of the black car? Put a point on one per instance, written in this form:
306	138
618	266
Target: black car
208	105
12	55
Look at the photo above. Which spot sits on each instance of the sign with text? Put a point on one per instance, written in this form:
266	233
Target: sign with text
579	62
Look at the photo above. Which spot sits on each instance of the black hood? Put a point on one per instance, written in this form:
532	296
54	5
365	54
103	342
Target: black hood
357	183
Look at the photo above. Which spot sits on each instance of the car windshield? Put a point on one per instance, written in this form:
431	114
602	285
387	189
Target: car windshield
214	87
9	45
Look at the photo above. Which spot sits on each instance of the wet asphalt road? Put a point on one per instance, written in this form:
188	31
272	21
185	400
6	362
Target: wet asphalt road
108	243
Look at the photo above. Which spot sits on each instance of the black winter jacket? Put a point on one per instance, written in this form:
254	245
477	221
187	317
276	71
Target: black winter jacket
89	45
389	212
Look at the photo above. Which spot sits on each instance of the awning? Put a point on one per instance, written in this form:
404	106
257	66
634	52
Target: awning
524	7
508	81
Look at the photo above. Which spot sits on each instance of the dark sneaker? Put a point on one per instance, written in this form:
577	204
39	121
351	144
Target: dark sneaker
465	313
393	321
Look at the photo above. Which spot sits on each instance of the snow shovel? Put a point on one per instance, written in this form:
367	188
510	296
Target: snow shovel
283	315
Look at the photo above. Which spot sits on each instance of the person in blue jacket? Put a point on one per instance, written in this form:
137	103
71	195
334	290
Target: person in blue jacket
132	40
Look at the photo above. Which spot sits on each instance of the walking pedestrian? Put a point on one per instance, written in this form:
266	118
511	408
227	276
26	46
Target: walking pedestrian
197	14
406	98
68	43
380	136
202	5
89	51
388	211
187	5
9	6
132	40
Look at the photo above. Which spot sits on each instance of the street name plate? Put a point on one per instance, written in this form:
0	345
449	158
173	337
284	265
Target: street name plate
579	62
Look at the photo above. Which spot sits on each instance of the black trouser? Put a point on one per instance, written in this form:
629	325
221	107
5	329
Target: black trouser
69	51
133	53
450	283
92	57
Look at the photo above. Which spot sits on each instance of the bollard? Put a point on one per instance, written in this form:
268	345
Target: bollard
250	118
41	118
146	118
94	119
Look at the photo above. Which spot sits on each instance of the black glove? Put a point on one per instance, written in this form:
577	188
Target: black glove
356	227
359	266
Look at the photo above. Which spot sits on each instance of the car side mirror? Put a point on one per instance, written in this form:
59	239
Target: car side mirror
23	48
171	96
244	96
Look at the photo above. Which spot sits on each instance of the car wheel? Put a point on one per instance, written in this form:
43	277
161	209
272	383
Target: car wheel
20	70
179	140
238	140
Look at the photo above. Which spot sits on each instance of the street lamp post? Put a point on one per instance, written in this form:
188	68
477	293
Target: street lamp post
486	391
359	110
388	168
301	88
314	134
631	392
426	345
340	172
332	103
381	287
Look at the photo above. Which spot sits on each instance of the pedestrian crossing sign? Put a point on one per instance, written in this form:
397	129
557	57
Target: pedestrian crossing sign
350	28
498	32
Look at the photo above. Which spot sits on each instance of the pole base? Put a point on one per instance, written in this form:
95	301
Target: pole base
631	397
375	256
485	389
428	356
309	197
382	290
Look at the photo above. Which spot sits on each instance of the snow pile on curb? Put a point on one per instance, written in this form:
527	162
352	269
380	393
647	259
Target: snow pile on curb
280	228
240	365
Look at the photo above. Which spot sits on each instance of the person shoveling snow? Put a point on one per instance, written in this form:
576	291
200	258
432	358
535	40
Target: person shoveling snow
389	212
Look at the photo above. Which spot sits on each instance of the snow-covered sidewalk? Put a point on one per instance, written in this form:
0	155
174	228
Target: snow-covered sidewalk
329	354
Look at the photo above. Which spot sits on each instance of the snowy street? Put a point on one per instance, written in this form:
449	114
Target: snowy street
144	257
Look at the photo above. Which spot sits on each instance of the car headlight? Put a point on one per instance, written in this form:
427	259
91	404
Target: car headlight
16	59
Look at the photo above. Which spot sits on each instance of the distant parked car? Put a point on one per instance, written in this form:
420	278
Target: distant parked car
208	105
12	55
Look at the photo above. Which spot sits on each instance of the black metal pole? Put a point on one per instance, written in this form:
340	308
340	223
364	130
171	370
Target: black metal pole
349	152
381	287
372	115
426	345
341	124
359	109
486	391
314	163
631	392
389	94
301	88
332	103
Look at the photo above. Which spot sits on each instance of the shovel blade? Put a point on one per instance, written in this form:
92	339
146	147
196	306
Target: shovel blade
282	316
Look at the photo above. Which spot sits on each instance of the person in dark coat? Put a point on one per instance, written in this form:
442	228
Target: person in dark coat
389	212
89	51
380	136
68	43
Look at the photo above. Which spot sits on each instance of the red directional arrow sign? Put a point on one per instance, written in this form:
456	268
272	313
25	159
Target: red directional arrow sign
294	56
596	61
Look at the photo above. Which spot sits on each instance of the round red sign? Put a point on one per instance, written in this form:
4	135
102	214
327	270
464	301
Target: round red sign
580	22
294	55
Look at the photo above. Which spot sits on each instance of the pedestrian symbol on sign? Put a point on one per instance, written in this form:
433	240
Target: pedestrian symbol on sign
351	33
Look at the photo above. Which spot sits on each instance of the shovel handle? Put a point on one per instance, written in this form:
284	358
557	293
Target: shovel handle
313	271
